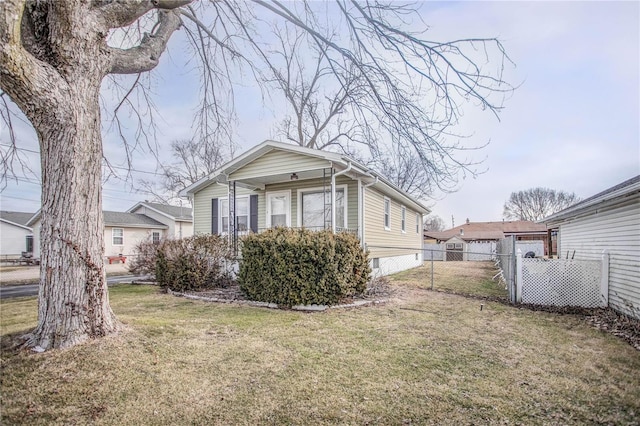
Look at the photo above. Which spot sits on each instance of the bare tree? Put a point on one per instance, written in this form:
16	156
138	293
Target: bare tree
192	160
54	56
537	203
433	223
344	115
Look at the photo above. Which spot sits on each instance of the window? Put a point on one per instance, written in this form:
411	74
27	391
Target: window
417	223
387	213
403	218
242	214
278	209
29	244
117	236
155	236
316	209
376	263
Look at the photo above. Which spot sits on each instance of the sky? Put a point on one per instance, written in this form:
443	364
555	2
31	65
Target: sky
572	124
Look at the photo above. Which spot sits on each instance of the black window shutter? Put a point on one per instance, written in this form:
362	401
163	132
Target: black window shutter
253	212
214	216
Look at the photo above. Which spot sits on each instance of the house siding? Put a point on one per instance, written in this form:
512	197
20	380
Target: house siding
278	162
295	186
393	242
616	230
202	205
177	228
171	232
202	201
132	236
14	239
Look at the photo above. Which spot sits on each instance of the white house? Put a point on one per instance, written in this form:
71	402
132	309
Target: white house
124	230
15	235
607	221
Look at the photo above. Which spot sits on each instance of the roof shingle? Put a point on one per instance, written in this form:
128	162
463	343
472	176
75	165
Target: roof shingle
21	218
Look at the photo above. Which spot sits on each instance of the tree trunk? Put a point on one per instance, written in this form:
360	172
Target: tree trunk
53	57
73	299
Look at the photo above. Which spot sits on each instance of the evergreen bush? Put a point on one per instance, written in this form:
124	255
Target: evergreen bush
297	266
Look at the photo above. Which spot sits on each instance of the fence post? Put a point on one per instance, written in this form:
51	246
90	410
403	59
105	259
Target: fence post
431	269
604	279
518	276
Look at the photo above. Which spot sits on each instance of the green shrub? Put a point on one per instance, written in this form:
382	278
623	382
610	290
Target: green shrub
297	266
194	263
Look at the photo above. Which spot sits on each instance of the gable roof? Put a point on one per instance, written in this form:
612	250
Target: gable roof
488	230
19	219
374	178
125	220
611	195
131	220
178	213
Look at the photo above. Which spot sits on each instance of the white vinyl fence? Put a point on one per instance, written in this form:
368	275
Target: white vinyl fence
472	251
562	282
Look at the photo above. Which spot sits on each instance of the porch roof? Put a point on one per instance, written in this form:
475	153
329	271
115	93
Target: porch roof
313	169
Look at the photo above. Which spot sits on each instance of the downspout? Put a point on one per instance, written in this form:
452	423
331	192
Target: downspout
364	227
333	196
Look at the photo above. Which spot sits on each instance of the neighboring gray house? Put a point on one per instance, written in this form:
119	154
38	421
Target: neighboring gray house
178	219
608	221
15	235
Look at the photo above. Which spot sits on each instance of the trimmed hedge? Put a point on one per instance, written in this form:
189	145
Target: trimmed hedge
193	263
301	267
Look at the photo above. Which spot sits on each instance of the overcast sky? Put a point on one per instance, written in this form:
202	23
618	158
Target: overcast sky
573	124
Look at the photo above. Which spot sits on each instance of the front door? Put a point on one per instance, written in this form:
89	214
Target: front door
278	209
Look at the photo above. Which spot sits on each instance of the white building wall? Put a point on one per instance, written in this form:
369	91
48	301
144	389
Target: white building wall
132	236
183	230
616	230
177	229
392	264
13	239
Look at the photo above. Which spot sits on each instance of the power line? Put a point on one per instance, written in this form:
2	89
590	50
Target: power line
110	167
19	198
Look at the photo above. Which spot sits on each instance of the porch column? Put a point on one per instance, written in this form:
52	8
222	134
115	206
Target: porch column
233	229
360	234
333	202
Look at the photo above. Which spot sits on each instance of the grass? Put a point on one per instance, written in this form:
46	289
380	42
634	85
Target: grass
423	358
469	278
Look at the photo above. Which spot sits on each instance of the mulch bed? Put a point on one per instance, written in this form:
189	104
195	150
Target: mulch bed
378	288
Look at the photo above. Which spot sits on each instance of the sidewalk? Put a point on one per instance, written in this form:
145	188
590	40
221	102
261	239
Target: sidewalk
23	274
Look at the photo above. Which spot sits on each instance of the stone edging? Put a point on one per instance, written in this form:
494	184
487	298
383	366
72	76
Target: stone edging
305	308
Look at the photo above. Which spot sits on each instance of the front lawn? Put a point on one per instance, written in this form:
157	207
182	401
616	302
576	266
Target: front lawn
424	357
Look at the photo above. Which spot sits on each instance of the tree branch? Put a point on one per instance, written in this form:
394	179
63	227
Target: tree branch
24	78
146	56
120	13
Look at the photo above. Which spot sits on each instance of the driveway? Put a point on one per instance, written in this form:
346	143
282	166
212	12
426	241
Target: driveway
21	281
24	290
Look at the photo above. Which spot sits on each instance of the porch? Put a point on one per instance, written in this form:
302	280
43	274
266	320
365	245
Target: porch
287	189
